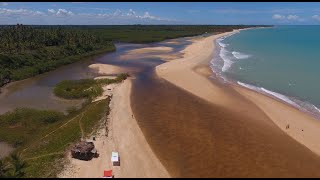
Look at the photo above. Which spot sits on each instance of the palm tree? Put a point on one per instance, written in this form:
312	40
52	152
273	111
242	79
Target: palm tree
18	166
4	168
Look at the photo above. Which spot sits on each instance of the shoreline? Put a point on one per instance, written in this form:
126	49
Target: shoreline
303	127
267	92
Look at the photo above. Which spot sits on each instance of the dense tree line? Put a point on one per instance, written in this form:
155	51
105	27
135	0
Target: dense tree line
26	51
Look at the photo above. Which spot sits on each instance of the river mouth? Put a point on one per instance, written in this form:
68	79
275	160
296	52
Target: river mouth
37	92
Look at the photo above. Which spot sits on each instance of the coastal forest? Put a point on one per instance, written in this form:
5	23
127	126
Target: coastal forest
29	50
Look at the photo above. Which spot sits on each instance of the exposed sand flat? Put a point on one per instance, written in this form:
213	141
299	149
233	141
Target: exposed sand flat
124	136
188	73
166	57
107	69
150	49
172	42
162	52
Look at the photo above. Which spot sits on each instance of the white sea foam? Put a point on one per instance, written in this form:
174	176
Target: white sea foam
248	86
281	96
227	59
315	107
222	44
272	93
227	62
301	105
239	55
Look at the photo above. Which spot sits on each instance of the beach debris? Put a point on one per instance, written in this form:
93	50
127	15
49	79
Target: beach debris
287	127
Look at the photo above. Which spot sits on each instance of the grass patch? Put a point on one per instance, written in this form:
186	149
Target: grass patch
84	88
49	134
20	126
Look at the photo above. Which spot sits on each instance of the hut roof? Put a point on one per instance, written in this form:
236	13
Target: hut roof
83	147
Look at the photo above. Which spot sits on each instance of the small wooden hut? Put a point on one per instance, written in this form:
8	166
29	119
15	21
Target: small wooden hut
84	151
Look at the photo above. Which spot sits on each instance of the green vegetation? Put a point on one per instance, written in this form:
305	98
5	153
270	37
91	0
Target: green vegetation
12	168
45	136
76	89
41	137
26	51
84	88
156	33
21	125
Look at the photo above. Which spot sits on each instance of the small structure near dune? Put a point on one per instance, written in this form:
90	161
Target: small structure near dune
84	151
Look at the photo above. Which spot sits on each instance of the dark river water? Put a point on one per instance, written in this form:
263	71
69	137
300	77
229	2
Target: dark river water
190	136
37	92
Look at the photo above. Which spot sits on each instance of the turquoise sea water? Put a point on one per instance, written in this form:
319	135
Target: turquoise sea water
283	61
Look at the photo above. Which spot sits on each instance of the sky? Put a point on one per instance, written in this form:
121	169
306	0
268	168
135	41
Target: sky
108	13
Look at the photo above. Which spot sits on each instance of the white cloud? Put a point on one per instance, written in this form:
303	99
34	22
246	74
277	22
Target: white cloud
117	13
52	11
278	17
287	11
288	18
19	12
254	11
293	17
316	17
64	16
4	4
131	13
147	15
64	12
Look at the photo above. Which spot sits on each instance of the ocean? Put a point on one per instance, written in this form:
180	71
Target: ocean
282	61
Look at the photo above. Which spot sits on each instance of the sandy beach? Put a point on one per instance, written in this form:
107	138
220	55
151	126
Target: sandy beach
124	136
192	71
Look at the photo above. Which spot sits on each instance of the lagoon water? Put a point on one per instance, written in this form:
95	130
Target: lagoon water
283	61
